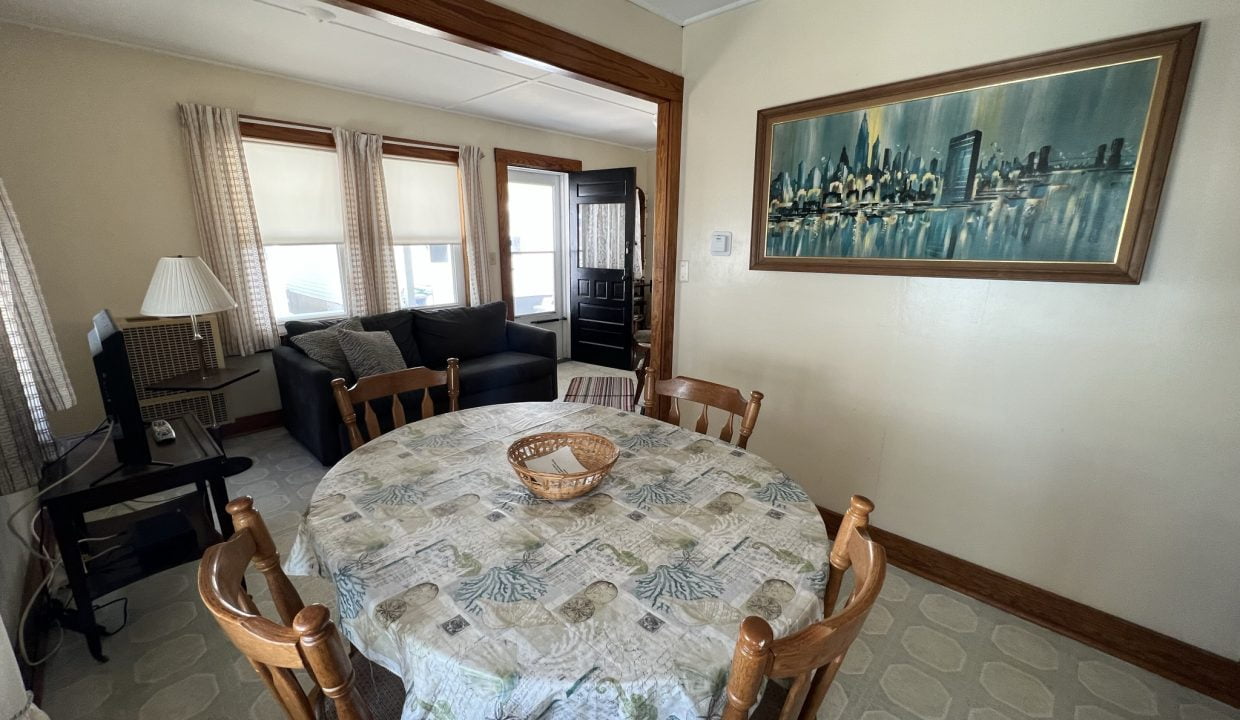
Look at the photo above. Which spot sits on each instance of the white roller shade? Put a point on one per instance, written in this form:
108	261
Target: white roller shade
424	203
296	193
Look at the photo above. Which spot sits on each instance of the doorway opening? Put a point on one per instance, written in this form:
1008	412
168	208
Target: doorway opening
509	34
537	248
571	254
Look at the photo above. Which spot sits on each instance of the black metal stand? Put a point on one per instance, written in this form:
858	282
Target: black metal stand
194	458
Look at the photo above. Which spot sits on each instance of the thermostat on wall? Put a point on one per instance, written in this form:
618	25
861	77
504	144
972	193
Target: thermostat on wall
721	242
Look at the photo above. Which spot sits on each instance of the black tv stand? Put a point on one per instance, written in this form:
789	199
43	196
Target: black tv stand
143	542
121	466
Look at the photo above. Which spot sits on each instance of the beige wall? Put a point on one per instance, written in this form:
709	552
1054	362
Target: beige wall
617	24
90	151
1080	437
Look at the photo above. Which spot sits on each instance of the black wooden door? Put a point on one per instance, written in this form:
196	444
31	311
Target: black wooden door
601	224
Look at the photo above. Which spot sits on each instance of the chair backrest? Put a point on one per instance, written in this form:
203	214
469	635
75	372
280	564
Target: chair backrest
306	640
391	385
709	395
811	657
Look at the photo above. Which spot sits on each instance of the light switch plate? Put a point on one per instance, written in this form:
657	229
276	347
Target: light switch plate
684	271
721	242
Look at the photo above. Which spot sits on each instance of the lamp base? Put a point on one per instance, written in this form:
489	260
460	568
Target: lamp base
200	349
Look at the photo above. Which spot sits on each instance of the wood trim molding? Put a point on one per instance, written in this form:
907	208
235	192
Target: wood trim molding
253	423
316	136
505	159
421	153
666	225
517	158
492	28
1188	665
285	134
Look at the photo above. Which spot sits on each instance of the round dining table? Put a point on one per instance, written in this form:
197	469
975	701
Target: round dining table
491	603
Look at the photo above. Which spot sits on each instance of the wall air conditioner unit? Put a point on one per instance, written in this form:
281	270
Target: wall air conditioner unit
160	348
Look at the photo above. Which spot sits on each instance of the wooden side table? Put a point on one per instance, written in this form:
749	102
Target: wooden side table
143	542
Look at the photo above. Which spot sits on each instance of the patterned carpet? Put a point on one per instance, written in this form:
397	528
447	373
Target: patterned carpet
927	653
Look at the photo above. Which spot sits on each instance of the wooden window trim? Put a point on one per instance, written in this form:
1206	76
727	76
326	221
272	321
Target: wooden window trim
421	153
286	134
505	159
320	136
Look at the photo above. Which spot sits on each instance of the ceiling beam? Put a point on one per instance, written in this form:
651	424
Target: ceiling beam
489	27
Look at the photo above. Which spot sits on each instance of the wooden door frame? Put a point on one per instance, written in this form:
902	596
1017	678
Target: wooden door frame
489	27
505	159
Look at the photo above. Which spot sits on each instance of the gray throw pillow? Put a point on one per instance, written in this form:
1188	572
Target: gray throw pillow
324	347
371	353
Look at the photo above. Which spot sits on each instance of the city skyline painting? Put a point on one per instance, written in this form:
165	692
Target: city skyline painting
1037	166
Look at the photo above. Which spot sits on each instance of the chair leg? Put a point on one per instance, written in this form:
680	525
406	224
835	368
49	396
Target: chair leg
640	371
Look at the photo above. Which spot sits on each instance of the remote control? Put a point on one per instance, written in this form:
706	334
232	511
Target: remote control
163	431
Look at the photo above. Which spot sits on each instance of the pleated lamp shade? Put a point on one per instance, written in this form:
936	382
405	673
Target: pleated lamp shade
185	286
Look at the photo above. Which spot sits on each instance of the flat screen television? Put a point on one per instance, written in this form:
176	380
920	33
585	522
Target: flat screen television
120	399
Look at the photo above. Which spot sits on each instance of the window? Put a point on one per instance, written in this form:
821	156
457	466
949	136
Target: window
297	197
533	231
424	209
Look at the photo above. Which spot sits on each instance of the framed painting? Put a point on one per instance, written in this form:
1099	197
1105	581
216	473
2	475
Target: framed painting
1046	167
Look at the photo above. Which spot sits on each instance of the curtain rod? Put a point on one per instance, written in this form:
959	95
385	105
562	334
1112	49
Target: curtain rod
256	120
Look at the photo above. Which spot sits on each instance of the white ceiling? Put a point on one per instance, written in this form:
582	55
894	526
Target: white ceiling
309	40
684	12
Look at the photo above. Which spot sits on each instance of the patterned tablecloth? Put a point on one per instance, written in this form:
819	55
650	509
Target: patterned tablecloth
625	603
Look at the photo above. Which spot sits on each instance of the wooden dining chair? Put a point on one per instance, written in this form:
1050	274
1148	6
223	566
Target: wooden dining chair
811	657
709	395
392	385
344	688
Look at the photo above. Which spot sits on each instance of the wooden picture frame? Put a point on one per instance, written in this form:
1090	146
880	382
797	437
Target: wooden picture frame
1084	214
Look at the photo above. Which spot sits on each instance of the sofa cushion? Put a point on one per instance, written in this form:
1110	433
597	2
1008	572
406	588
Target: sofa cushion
293	328
503	369
463	333
400	324
370	353
323	345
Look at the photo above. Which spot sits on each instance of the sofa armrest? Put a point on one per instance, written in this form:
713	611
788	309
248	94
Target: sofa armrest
309	408
531	339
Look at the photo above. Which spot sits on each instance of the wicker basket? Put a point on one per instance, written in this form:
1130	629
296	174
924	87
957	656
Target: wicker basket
596	453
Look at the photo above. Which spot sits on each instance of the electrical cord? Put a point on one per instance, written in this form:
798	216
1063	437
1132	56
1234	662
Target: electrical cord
13	529
101	553
75	445
124	600
21	626
54	563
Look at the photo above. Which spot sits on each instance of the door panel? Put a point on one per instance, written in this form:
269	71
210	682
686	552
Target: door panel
601	230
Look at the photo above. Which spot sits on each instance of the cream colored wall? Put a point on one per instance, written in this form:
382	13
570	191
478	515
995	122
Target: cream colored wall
91	153
617	24
1084	438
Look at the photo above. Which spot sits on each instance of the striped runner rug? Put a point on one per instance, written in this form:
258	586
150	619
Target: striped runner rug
614	392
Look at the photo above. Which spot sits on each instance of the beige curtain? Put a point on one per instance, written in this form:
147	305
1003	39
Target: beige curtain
368	231
639	242
228	225
476	243
32	372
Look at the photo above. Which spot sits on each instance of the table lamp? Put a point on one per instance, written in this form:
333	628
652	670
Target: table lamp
185	286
